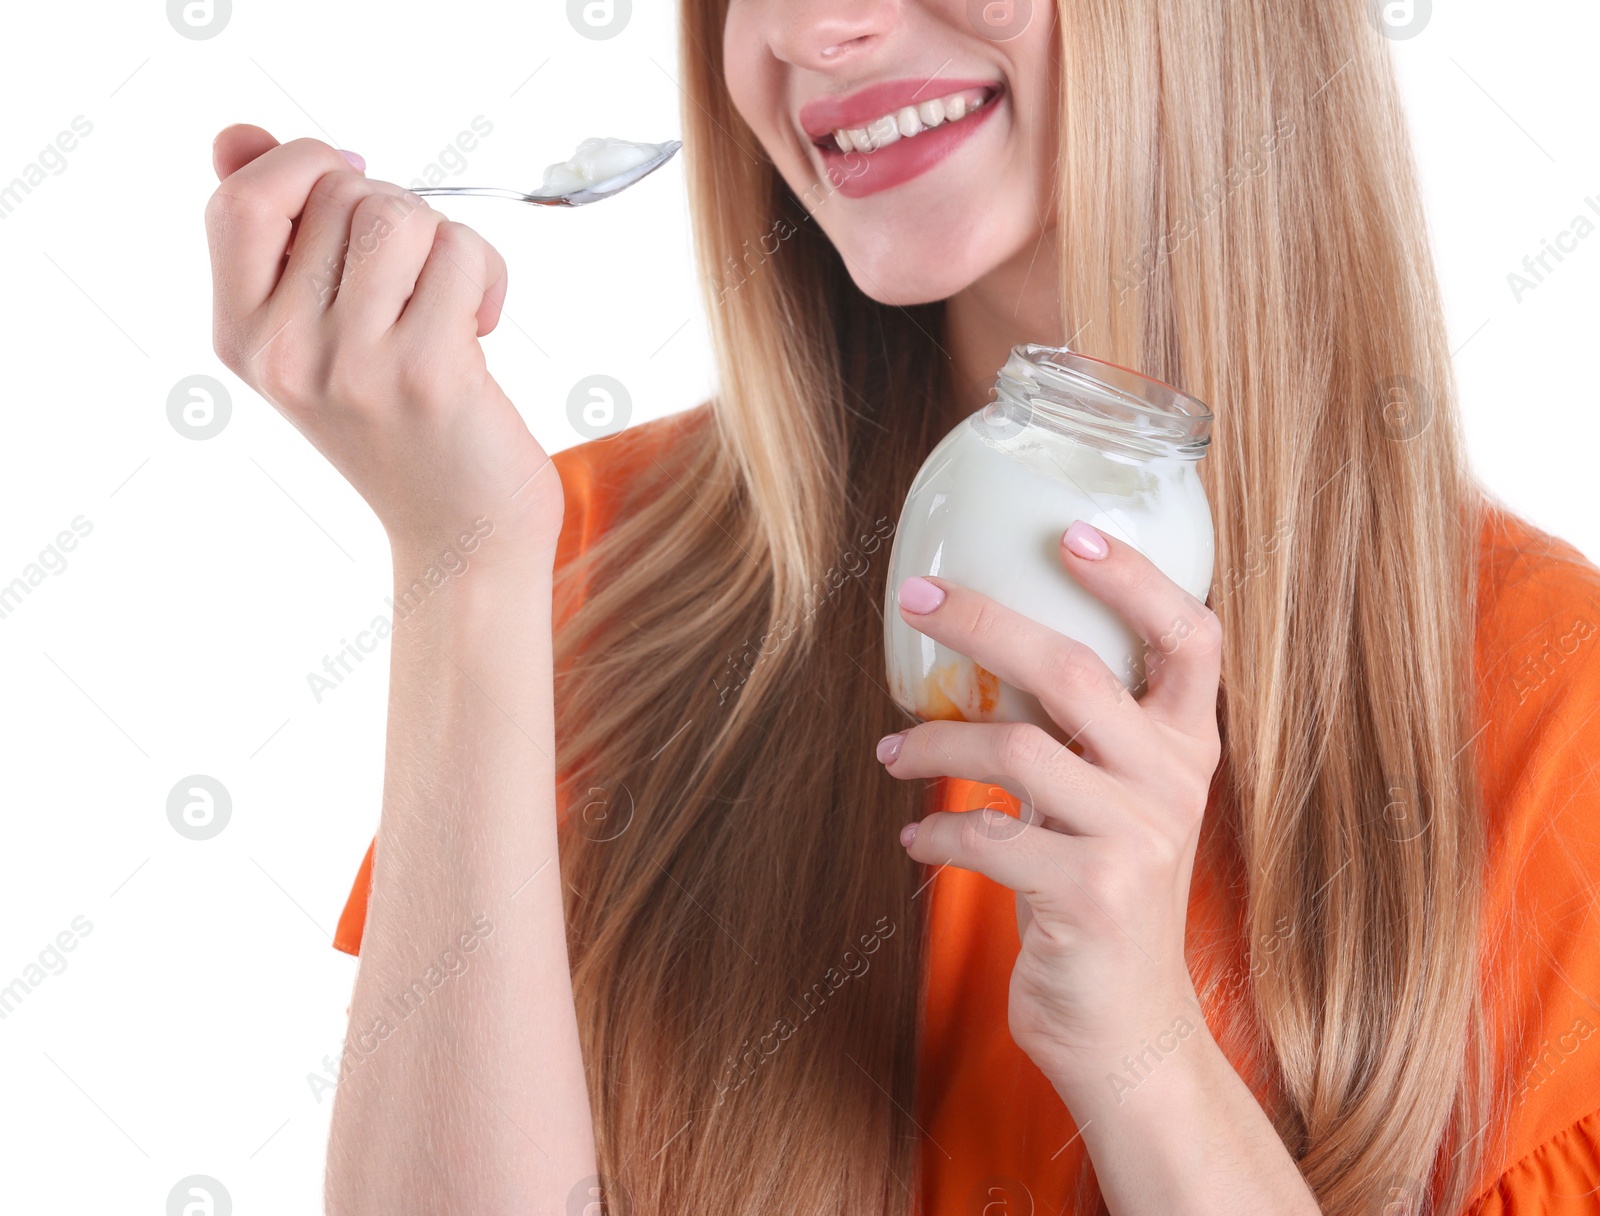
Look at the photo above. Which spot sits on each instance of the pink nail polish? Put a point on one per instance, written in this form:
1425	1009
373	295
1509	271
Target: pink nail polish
1085	541
908	834
357	161
889	747
918	595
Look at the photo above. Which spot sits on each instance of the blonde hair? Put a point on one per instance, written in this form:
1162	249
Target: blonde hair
1240	219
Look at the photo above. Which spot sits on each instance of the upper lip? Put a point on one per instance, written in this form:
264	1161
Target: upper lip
828	114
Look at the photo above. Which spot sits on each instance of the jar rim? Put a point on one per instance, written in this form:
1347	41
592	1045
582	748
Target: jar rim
1106	401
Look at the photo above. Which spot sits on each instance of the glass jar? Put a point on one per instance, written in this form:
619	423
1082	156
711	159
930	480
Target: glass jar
1066	437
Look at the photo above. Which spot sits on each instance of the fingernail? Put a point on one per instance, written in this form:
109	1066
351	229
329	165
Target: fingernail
357	161
889	747
918	595
1085	541
908	834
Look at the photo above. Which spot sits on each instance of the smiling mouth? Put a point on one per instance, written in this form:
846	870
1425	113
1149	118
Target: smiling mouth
909	122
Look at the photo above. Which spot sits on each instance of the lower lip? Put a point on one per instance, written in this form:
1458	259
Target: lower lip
858	174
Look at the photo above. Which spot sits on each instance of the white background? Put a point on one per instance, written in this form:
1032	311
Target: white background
179	1037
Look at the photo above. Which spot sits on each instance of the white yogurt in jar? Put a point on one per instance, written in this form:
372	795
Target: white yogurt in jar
596	162
987	510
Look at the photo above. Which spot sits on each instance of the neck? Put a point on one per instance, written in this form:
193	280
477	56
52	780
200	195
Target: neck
1016	302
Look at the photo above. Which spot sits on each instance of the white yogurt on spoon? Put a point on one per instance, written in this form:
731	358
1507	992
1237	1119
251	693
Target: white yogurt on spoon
597	162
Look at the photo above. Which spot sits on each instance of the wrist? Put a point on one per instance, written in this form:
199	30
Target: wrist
454	591
1178	1130
466	536
1105	1074
473	554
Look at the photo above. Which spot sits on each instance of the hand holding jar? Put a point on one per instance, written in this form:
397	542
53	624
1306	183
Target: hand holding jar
1016	634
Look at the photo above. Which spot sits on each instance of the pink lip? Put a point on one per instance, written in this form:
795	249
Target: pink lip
858	174
829	114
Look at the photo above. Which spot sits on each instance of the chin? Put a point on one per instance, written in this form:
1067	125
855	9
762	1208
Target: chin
904	277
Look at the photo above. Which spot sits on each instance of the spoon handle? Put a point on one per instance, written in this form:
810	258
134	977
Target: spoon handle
490	192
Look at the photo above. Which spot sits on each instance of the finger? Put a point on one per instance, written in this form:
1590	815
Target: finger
316	267
251	215
1024	857
1079	692
1183	638
1069	881
238	145
462	282
1021	758
390	238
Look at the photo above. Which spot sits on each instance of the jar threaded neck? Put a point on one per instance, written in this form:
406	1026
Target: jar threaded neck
1102	403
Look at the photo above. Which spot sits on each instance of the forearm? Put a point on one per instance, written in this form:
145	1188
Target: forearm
464	1086
1177	1132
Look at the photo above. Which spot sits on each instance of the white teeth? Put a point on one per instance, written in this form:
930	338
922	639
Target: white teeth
884	131
911	121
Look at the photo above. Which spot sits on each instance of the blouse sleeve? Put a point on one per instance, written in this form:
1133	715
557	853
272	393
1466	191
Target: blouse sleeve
1539	679
1559	1178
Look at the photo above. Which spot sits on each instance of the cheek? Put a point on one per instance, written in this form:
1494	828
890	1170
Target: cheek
1037	78
741	60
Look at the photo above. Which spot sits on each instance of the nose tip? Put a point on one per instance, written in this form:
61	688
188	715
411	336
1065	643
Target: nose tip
823	34
830	52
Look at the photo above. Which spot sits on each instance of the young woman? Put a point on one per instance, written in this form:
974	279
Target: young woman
1310	925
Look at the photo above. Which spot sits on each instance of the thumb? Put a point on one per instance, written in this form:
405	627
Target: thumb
238	145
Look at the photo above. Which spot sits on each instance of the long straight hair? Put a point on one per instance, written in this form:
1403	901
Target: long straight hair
1240	218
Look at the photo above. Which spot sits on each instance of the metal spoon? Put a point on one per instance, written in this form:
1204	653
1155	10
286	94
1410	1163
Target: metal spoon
589	194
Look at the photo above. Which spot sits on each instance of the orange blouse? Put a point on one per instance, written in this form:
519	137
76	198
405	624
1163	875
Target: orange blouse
994	1130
